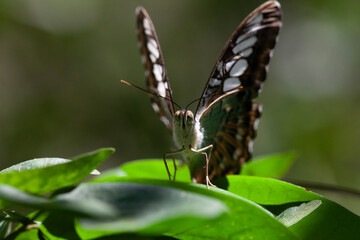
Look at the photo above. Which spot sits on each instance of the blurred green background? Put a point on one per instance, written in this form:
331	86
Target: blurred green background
61	63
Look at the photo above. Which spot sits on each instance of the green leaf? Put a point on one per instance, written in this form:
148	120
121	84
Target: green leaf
274	166
147	208
329	221
38	163
150	169
87	208
16	217
50	178
135	237
14	195
34	164
122	207
42	229
245	219
55	223
31	234
4	228
267	191
293	215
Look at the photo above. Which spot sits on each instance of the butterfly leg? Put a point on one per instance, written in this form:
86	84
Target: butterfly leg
207	158
175	168
166	166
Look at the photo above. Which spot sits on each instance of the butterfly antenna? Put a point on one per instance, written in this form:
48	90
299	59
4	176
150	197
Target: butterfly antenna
152	93
193	102
211	95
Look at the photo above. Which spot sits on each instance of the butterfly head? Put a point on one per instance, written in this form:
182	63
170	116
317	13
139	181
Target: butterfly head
184	118
186	129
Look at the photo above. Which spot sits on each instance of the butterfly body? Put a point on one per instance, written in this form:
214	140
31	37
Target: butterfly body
188	139
186	132
218	137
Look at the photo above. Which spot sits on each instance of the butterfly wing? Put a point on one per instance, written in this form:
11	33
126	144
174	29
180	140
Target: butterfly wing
155	71
227	115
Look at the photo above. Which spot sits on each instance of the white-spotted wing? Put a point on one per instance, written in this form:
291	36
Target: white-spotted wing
155	72
228	117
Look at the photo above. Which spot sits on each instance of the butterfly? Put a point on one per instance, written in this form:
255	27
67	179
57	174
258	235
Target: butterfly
218	138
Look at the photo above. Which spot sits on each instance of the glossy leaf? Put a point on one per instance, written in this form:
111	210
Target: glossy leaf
267	191
56	222
17	197
146	208
31	234
274	166
35	164
150	169
4	227
50	178
38	163
16	217
328	221
245	218
123	207
293	215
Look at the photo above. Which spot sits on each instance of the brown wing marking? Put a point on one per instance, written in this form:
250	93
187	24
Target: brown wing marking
233	144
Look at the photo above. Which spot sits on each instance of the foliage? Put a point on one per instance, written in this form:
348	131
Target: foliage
137	201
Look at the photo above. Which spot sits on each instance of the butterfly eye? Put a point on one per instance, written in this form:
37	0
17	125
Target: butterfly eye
189	117
177	114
